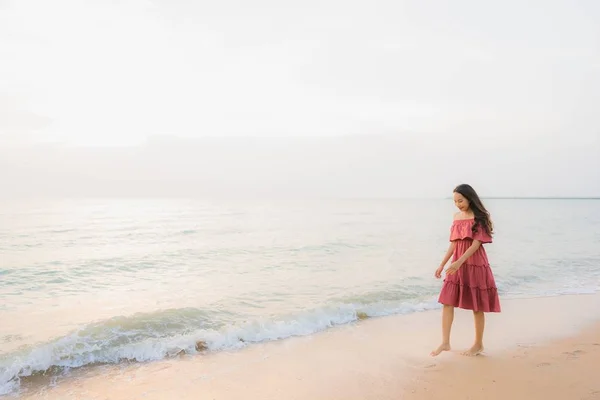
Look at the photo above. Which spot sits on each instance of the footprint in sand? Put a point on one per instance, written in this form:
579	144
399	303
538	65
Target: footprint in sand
544	364
429	367
594	395
573	354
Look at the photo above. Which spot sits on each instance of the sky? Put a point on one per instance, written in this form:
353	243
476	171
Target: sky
351	98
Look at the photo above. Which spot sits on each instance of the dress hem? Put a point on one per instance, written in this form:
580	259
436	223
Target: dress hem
470	298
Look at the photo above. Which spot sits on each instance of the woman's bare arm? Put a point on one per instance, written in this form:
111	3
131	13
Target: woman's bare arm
457	264
472	249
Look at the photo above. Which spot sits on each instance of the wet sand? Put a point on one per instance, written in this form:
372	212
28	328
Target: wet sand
533	342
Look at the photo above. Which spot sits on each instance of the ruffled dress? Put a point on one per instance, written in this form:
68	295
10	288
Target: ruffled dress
473	286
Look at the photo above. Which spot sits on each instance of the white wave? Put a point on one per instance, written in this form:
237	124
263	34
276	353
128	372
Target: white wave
79	349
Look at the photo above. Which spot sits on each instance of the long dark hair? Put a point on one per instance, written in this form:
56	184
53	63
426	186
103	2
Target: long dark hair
482	216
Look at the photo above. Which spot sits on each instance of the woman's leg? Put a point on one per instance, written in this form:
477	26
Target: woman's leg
477	348
447	318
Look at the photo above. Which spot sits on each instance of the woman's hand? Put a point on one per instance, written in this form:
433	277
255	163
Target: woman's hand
453	268
438	272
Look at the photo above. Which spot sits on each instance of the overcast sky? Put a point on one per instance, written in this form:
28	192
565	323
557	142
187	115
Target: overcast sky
504	95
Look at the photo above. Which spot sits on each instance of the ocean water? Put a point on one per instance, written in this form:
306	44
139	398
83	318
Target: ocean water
105	281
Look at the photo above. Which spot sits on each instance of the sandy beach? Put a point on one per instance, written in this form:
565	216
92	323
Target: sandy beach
563	369
543	348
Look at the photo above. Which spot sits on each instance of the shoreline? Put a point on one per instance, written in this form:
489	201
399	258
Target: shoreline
377	358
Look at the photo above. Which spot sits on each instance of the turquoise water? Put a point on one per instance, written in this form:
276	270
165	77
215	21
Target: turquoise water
107	280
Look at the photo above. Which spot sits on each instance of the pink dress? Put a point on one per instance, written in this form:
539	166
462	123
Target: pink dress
473	286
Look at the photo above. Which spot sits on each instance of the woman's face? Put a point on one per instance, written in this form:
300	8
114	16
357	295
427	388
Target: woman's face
461	202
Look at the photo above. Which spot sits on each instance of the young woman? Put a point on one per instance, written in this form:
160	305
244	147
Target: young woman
469	281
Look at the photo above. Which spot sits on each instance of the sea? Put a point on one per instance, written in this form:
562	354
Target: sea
91	282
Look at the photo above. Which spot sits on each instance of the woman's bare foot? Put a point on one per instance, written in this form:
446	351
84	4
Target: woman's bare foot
443	347
476	350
